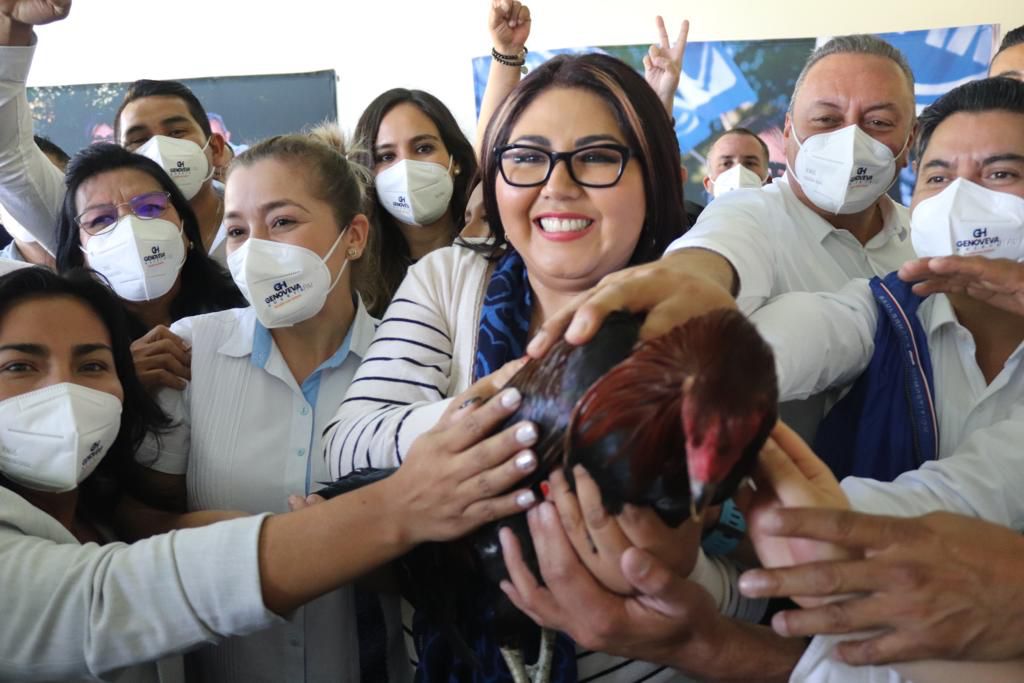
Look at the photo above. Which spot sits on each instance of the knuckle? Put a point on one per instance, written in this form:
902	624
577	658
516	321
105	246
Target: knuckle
836	617
484	486
907	576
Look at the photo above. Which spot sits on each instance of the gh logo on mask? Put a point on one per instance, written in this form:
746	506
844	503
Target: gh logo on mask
862	170
154	250
181	164
278	286
980	232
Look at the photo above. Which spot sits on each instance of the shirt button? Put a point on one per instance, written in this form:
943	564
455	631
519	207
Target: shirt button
304	411
301	452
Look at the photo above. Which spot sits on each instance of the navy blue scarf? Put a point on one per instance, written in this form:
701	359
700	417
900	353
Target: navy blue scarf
504	326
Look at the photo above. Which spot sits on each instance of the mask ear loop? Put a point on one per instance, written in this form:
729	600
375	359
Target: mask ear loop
328	255
213	169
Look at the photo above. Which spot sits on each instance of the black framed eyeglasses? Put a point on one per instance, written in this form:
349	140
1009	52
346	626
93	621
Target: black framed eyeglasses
591	166
98	219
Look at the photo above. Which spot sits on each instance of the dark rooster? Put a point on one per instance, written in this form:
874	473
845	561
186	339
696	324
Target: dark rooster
674	423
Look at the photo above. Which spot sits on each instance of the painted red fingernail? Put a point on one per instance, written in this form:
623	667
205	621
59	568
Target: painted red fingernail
545	488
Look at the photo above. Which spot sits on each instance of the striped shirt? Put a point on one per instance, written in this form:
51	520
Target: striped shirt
421	356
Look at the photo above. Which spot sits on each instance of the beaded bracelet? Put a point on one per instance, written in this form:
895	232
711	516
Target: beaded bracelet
511	60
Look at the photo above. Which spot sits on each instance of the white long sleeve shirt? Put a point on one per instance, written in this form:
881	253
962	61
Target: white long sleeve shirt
31	188
74	612
828	338
778	245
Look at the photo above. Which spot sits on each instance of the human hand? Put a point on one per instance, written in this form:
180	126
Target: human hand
35	12
673	289
600	539
788	474
939	586
509	25
997	282
663	63
162	359
670	621
456	476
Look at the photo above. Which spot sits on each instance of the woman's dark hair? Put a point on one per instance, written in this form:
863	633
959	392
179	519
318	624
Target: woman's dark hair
393	249
987	94
644	123
205	286
139	413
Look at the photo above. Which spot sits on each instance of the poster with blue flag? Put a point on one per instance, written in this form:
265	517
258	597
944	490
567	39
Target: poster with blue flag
748	83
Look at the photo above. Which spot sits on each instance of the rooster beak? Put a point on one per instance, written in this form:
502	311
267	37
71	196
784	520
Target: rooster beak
701	495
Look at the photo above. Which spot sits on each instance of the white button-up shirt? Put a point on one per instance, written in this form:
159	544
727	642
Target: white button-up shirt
778	245
246	436
821	339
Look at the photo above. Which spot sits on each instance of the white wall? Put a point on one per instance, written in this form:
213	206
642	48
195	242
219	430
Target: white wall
377	44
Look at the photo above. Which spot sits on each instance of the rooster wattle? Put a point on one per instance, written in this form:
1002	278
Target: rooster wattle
674	423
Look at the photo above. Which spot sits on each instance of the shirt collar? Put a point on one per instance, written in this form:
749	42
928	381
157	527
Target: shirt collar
939	312
894	220
250	338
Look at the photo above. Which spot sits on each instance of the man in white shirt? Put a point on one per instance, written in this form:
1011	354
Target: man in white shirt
32	190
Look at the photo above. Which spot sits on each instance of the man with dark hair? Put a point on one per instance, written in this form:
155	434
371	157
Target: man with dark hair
1009	60
738	159
162	120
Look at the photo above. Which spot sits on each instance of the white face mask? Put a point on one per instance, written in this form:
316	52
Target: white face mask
52	438
415	192
967	219
140	258
844	171
736	177
183	160
284	283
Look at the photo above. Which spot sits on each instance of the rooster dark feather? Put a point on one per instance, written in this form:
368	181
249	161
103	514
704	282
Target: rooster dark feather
673	423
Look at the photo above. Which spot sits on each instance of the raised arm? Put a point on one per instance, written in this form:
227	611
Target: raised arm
509	25
31	188
663	63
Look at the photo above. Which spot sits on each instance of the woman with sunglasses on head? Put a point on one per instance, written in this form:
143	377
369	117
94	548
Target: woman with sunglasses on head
571	188
78	605
126	219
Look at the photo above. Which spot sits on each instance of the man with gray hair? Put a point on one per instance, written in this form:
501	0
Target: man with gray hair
828	220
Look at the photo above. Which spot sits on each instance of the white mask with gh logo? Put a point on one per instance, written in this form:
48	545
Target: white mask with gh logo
284	283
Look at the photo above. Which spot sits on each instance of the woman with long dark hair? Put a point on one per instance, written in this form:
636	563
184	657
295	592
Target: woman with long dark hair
422	166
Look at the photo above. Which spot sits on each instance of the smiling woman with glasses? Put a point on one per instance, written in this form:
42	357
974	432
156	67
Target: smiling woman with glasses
124	218
581	180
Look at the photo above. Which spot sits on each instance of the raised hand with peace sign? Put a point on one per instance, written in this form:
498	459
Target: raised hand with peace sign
663	63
